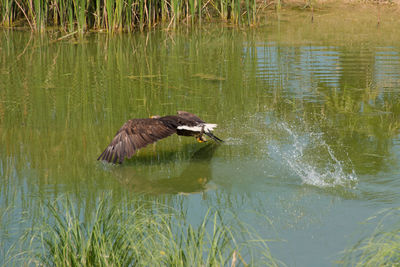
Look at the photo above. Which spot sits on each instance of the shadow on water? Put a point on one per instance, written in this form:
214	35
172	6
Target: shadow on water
193	179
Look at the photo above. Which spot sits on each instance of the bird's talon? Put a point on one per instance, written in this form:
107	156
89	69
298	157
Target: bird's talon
200	140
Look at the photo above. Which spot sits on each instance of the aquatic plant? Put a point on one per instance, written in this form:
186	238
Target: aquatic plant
141	234
382	247
112	15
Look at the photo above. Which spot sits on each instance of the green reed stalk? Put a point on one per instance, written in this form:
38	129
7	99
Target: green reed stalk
176	12
254	11
139	233
192	8
224	5
278	5
60	12
6	13
109	11
153	11
119	14
251	10
248	13
128	15
31	15
37	9
148	13
236	11
55	13
70	15
163	12
97	15
382	247
200	10
39	14
141	13
79	12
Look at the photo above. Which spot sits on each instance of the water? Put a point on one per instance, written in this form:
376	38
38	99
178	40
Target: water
312	159
309	116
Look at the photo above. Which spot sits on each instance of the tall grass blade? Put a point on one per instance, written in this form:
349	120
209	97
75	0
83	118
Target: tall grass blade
121	15
139	233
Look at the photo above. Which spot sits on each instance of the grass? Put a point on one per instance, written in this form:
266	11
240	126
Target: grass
145	234
112	15
131	15
382	247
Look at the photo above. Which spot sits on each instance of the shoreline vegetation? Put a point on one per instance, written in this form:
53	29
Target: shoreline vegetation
80	16
382	247
147	233
143	233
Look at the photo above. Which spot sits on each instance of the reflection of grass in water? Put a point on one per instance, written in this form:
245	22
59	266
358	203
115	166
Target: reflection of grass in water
140	236
382	248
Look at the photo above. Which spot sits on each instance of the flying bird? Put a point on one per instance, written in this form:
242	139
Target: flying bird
138	133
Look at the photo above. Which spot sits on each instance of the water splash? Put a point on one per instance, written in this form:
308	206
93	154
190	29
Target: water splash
312	159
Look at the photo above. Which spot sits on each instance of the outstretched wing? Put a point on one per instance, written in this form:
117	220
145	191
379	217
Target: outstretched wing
133	135
189	116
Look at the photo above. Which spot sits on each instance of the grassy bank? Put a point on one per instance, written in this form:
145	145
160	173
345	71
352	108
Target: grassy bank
139	233
115	15
131	15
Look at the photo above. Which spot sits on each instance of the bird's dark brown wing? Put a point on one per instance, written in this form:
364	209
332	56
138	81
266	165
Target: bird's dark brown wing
133	135
189	116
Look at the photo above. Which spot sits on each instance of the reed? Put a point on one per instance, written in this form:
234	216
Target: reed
138	234
112	15
382	247
6	11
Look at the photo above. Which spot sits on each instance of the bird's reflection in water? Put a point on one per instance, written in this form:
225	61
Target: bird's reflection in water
193	179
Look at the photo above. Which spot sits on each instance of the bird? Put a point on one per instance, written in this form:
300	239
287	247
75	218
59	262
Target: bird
138	133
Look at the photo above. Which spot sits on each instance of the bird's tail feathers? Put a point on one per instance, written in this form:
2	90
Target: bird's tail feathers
213	137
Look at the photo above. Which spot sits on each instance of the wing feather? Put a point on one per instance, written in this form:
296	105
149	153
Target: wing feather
132	136
189	116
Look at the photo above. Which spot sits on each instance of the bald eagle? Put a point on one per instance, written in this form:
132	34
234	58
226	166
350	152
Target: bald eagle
138	133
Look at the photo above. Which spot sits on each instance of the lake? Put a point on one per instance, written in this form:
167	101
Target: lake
310	116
